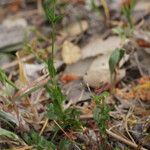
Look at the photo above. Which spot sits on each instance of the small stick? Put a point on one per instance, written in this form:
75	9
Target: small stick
24	148
62	130
84	117
110	133
138	64
66	134
37	83
126	124
44	126
123	140
15	63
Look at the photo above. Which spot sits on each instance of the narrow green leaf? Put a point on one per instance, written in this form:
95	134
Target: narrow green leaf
9	117
4	78
115	58
8	134
39	142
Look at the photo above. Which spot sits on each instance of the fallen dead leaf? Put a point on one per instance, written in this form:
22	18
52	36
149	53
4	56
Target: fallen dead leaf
66	78
70	53
143	43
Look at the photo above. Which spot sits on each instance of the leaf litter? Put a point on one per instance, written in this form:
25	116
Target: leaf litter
83	55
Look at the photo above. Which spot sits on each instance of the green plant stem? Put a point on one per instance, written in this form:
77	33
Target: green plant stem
53	39
55	133
130	21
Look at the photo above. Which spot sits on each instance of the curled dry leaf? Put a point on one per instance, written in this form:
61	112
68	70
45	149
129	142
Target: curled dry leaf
66	78
143	43
70	53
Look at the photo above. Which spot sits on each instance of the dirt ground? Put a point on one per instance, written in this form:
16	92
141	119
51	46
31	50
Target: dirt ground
101	53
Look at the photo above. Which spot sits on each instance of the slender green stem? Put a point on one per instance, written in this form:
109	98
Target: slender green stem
55	133
53	39
130	21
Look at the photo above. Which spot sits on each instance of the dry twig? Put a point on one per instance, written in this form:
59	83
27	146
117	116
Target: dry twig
114	135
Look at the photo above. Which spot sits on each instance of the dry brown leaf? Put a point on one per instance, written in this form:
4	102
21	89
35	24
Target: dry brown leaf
22	75
143	43
66	78
70	53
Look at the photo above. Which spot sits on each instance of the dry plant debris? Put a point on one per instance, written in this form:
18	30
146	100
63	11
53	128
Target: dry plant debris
56	90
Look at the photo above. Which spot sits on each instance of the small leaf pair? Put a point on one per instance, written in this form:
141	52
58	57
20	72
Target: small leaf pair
4	79
50	10
115	58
